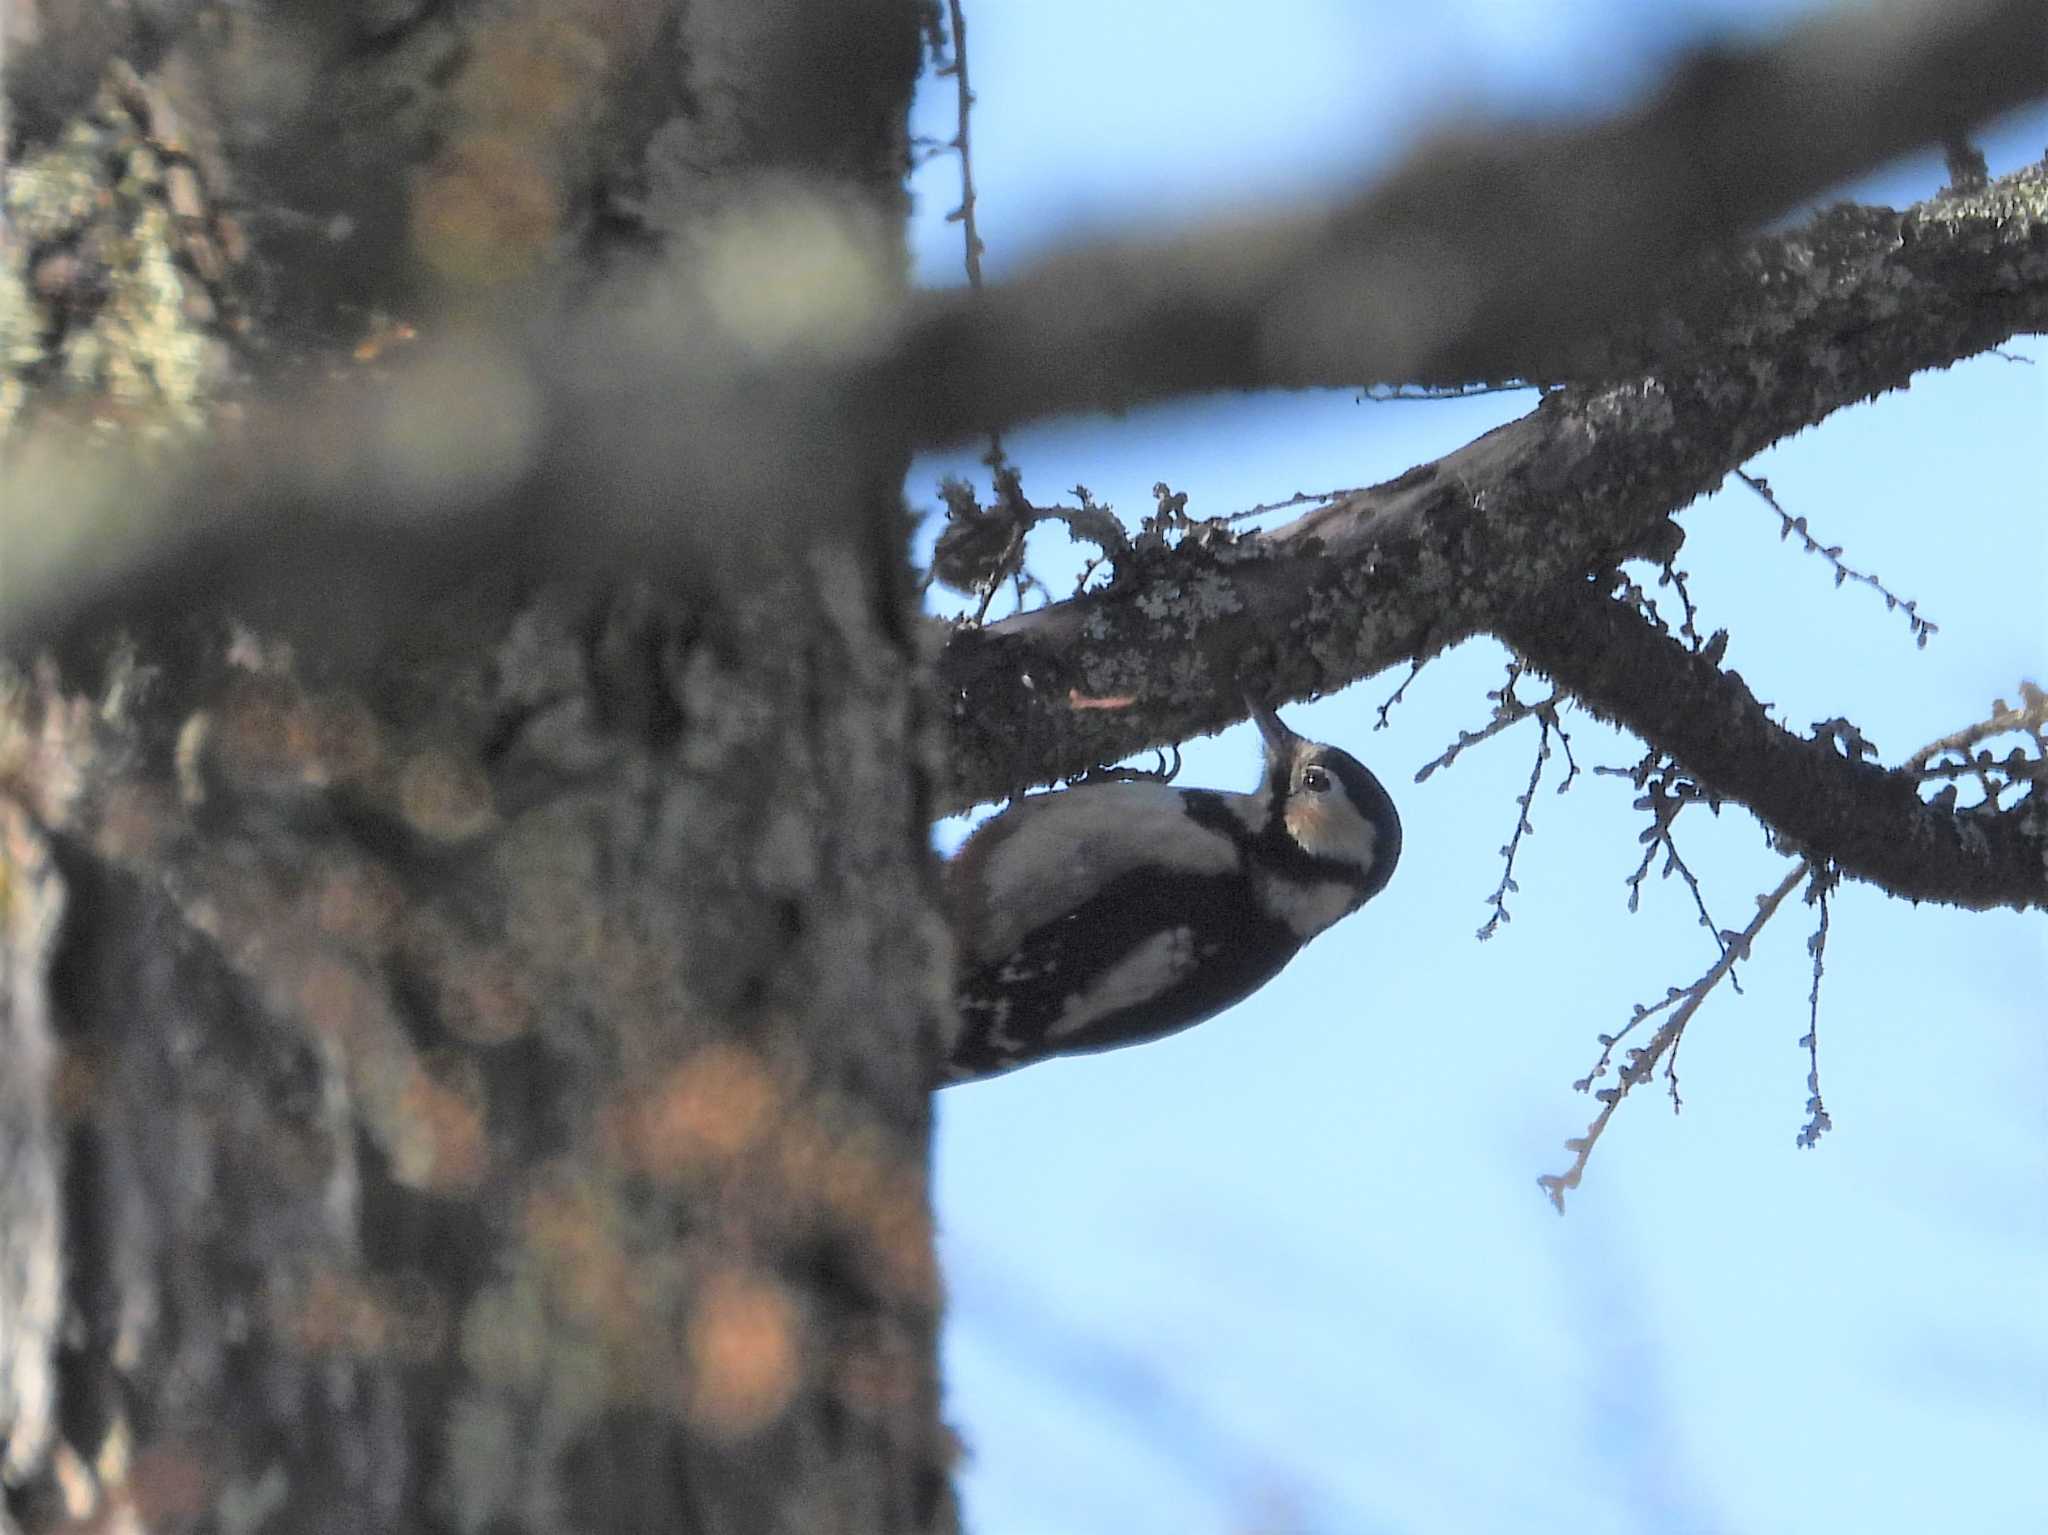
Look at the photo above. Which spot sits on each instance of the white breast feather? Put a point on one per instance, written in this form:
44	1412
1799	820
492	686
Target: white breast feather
1049	853
1307	909
1149	970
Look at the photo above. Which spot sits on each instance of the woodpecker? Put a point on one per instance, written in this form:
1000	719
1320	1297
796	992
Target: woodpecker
1114	914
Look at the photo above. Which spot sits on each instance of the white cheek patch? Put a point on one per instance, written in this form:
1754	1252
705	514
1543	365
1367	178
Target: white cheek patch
1151	969
1329	826
1307	909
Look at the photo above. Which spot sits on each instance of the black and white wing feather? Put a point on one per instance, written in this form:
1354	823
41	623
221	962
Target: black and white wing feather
1113	914
1139	960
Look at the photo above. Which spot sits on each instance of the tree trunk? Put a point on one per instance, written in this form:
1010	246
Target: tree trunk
477	1084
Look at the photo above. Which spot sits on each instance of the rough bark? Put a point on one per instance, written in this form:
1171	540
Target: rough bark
485	1084
1504	252
465	1064
1768	340
1449	276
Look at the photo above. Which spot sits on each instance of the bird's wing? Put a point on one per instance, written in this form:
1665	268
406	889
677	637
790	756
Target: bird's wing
1048	854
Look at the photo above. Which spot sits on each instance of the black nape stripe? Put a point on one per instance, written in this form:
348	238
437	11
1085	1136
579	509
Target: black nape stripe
1208	809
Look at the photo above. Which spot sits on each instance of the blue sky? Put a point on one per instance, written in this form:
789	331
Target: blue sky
1290	1271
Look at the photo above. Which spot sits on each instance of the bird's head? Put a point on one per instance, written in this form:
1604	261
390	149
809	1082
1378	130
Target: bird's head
1329	806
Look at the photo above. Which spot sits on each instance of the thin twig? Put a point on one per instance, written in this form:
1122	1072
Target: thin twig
1388	394
964	215
1665	794
1818	1122
1523	827
1788	525
1995	776
1688	629
1507	715
2030	718
1011	552
1299	498
1641	1064
1414	671
1571	763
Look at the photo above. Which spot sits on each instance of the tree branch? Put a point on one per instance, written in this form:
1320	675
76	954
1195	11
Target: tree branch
1494	254
1753	345
1844	309
1818	801
1545	239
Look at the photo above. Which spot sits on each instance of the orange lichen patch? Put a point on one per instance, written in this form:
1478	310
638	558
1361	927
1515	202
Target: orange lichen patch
744	1353
342	1003
336	1315
865	1188
857	1182
383	334
710	1108
357	903
401	1318
899	1230
170	1483
443	1113
853	1174
803	1151
571	1237
531	75
262	734
266	734
132	823
881	1203
487	209
444	796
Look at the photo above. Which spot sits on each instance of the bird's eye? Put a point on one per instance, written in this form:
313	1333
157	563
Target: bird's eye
1315	779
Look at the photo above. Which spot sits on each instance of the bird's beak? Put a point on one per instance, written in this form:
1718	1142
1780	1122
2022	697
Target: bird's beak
1278	737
